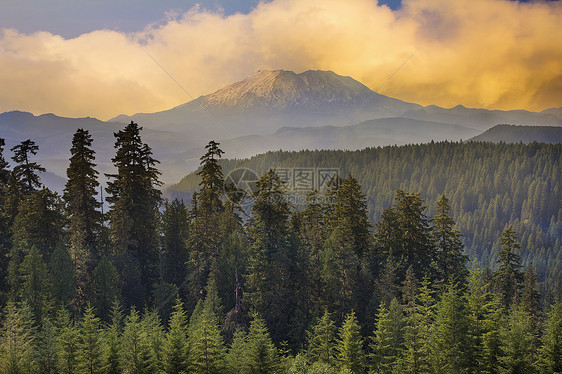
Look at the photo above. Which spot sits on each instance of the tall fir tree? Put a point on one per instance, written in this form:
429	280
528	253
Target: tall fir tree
517	343
5	221
508	277
268	283
175	345
450	343
84	216
346	271
134	199
450	260
18	342
386	343
321	340
90	346
419	314
350	355
26	171
175	231
550	358
204	236
261	354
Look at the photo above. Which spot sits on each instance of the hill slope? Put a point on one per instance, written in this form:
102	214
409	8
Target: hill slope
516	134
489	186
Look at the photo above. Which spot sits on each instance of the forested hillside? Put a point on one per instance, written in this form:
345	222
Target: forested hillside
489	186
524	134
264	283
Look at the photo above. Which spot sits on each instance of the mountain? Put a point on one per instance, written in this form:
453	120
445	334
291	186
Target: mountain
483	119
372	133
269	100
269	110
524	134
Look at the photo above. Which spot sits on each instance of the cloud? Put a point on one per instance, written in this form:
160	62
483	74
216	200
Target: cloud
481	53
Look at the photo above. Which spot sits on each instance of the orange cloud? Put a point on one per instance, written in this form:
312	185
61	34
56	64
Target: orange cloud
481	53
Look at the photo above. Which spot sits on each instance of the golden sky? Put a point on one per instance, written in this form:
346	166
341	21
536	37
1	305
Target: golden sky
494	54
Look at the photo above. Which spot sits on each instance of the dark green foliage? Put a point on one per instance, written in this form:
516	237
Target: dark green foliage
105	287
134	200
508	278
270	256
450	340
517	343
206	348
551	350
488	186
82	208
204	236
62	276
175	229
450	260
25	171
35	284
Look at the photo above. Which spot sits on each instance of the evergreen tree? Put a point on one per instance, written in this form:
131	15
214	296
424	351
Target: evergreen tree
62	275
47	348
206	347
508	277
175	228
90	342
36	286
494	323
175	346
236	359
450	340
112	350
269	270
415	245
105	287
450	260
346	270
419	312
18	342
155	337
5	237
519	351
69	343
386	344
25	171
82	208
134	200
530	297
550	360
261	355
350	355
321	340
204	245
135	349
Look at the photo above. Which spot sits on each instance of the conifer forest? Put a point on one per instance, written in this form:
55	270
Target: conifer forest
434	258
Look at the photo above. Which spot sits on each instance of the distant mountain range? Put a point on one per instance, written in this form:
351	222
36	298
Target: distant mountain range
269	110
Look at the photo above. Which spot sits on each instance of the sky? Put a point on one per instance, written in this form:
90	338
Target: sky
102	58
